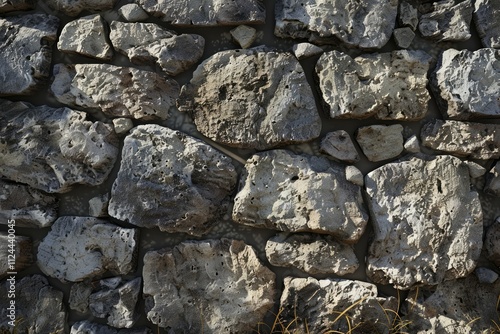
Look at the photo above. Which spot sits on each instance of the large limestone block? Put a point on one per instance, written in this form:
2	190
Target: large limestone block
366	24
170	180
428	222
117	91
15	5
388	86
487	19
209	286
16	252
74	7
26	49
381	142
252	98
52	149
299	193
77	248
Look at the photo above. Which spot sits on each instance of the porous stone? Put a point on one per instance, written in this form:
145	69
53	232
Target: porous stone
475	170
428	222
244	35
77	248
221	279
79	297
116	91
86	36
251	98
354	175
74	7
486	275
122	125
52	149
306	50
16	252
87	327
338	144
486	17
467	83
132	12
388	86
363	24
492	242
493	180
98	206
408	15
148	43
288	192
15	5
170	180
403	37
380	142
311	253
412	145
26	48
463	139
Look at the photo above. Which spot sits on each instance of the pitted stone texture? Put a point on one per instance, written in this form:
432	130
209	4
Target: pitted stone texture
78	248
222	279
312	253
313	306
338	144
132	12
206	13
149	43
170	180
87	327
116	91
487	19
408	15
428	222
463	139
86	36
381	142
306	50
15	5
365	24
492	242
467	83
493	180
26	49
52	149
20	247
388	86
74	7
299	193
252	98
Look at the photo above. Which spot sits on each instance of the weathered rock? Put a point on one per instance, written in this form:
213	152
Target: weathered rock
206	13
463	139
39	307
467	83
428	222
252	98
221	279
15	5
306	50
26	49
387	85
171	180
79	297
149	43
354	175
98	206
86	36
380	142
78	248
493	180
364	24
74	7
122	125
312	253
486	275
449	20
403	37
412	145
475	170
54	148
408	15
132	12
492	243
244	35
16	252
486	14
117	91
339	145
299	193
313	306
87	327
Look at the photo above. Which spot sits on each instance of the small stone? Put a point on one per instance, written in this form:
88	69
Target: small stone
338	144
492	242
493	181
244	35
74	7
408	15
98	206
132	12
486	17
15	5
475	170
87	327
381	142
122	125
79	297
403	37
20	247
412	145
354	175
306	50
485	275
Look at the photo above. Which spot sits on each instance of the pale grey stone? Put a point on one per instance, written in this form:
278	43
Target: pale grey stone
306	50
79	297
412	145
475	170
87	327
98	206
74	7
427	221
338	144
381	142
244	35
492	242
486	275
487	19
354	175
16	252
403	37
15	5
122	125
493	180
408	15
221	279
132	12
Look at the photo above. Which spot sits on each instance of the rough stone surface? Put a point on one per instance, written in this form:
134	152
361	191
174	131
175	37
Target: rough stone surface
492	242
252	98
338	144
149	43
486	275
486	17
381	142
306	50
467	83
98	206
79	297
117	91
86	36
463	139
412	145
312	253
22	257
171	180
221	279
408	15
388	86
15	5
364	24
403	37
122	125
78	248
493	180
26	49
52	149
299	193
475	170
132	12
244	35
74	7
87	327
354	175
206	13
428	222
449	20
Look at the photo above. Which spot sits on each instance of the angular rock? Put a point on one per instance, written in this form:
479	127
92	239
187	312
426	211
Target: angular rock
428	222
388	86
306	50
486	14
311	253
116	91
26	49
467	83
16	252
223	280
492	242
408	15
412	145
74	7
252	98
354	175
98	206
493	181
299	193
170	180
403	37
148	43
122	125
78	248
475	170
79	297
15	5
485	275
363	24
52	149
87	327
338	144
244	35
132	12
381	142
